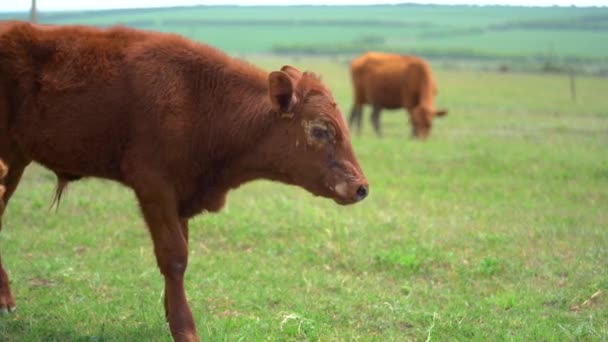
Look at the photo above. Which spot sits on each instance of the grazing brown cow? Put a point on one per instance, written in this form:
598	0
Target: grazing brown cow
392	81
179	122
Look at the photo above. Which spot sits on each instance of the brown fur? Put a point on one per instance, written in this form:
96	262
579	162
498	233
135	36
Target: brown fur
180	123
392	81
6	299
3	171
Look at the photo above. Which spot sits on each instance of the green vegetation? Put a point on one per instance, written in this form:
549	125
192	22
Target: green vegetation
493	229
556	39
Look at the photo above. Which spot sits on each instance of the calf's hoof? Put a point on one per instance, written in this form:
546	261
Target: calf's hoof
186	337
7	303
5	310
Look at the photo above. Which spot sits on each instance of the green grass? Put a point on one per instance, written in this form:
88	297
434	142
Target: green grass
493	229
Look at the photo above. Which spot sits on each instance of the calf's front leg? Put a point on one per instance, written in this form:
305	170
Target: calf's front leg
185	230
169	235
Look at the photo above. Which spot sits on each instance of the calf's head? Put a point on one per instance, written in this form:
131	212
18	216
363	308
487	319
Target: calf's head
310	140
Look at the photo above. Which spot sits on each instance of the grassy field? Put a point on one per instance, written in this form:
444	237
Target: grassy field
496	228
521	37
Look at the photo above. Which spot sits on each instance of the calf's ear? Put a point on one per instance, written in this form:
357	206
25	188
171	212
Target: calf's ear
282	93
293	72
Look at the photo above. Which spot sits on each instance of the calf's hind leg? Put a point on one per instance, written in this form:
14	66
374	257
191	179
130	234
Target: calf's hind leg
376	120
9	184
354	121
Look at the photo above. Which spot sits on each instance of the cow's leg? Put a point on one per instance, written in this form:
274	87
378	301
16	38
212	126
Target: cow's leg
185	231
158	205
356	115
376	120
16	166
410	117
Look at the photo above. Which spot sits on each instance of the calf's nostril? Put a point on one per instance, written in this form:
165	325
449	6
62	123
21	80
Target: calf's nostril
362	192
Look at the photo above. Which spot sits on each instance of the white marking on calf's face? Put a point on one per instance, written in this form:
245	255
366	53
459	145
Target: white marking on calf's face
310	125
342	189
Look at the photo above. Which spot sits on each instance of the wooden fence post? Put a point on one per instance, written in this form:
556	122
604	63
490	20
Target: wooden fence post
33	13
572	86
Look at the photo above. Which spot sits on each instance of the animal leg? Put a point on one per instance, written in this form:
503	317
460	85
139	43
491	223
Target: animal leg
412	122
10	182
376	120
159	208
7	302
185	230
356	115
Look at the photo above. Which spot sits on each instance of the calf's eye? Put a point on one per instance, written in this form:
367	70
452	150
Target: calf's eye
320	133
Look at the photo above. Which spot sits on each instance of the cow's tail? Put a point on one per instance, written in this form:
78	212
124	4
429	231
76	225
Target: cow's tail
357	74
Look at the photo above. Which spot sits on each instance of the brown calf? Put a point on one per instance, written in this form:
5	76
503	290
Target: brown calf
180	123
392	81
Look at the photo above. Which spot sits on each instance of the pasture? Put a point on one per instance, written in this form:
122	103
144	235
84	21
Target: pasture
493	229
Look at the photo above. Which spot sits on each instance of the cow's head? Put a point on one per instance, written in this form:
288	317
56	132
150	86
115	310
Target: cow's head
311	138
422	120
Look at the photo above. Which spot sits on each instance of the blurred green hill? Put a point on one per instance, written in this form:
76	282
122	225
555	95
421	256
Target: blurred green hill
548	39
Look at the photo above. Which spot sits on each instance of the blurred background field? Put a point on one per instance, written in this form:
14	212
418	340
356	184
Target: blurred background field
493	229
546	38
